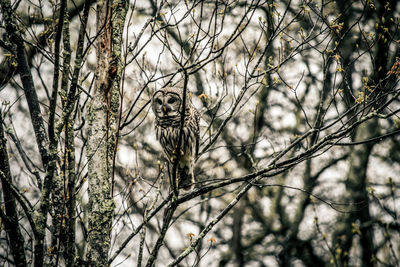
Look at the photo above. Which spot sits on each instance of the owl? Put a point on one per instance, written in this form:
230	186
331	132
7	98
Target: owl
167	106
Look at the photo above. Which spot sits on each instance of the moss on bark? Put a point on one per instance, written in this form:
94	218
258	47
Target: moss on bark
103	128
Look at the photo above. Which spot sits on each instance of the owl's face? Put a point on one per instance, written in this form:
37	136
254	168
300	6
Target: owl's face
166	104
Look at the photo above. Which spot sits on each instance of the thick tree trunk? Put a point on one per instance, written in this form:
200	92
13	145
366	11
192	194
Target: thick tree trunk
103	128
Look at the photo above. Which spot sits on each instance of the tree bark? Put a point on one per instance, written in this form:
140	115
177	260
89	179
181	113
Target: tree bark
103	128
10	218
26	79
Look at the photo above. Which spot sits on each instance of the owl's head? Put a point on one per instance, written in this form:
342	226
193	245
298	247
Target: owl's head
166	102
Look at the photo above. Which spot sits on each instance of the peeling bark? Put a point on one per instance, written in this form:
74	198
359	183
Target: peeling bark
102	116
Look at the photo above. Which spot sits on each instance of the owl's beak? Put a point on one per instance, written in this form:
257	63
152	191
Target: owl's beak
165	109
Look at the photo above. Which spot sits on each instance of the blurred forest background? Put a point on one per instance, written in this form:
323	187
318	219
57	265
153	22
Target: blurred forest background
299	161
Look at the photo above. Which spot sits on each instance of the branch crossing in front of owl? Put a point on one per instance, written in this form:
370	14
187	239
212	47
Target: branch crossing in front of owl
167	106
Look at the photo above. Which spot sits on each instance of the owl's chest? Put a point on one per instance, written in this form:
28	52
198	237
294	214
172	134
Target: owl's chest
169	136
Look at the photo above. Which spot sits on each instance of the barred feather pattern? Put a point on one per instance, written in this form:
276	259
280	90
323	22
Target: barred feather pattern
167	132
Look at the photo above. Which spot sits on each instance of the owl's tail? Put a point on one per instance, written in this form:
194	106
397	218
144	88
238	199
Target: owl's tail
185	178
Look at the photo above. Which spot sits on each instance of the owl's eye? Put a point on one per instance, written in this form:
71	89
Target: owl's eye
158	101
171	100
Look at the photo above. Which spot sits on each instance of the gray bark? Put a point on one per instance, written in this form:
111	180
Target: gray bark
10	217
103	128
